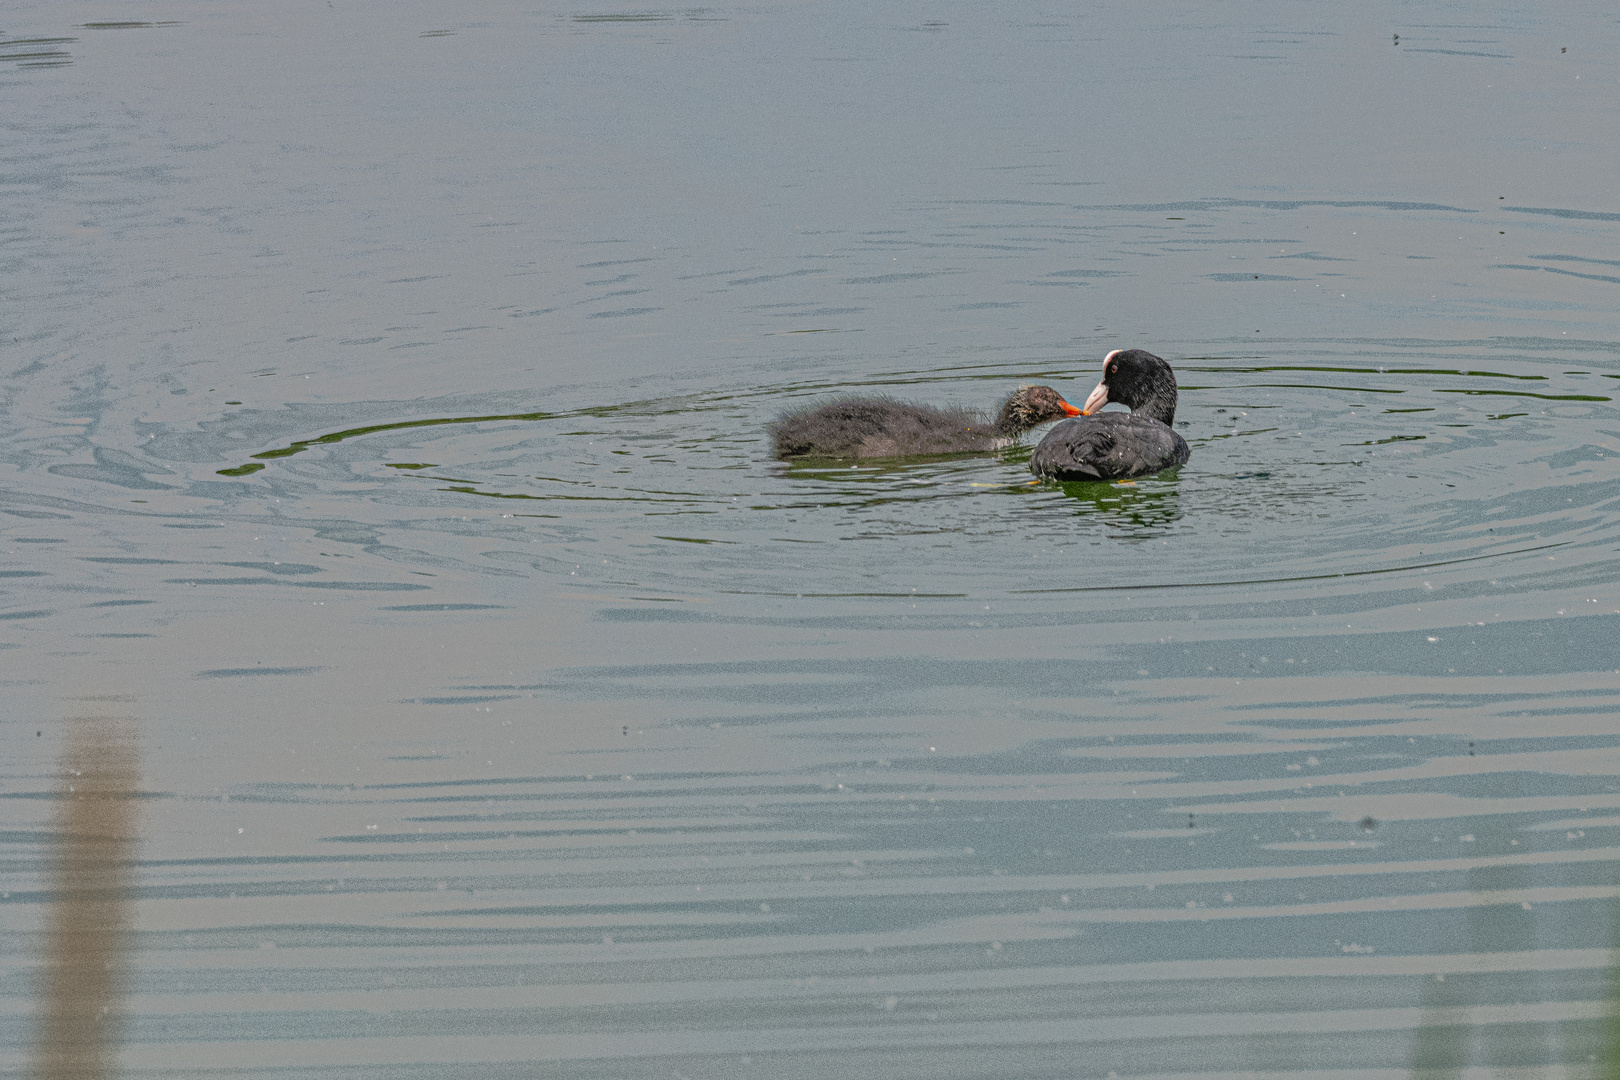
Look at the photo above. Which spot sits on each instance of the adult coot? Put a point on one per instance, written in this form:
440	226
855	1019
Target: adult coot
1112	446
884	427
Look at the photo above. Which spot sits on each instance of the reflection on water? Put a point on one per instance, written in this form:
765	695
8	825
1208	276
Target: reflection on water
1136	509
1451	1035
85	961
36	52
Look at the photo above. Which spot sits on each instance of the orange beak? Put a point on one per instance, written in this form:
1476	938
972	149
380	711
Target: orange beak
1070	410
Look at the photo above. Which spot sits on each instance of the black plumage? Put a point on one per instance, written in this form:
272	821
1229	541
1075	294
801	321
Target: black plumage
1116	446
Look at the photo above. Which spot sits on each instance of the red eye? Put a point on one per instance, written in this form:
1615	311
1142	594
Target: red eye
1114	370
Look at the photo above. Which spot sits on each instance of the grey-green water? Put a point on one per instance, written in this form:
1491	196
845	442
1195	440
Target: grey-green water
517	715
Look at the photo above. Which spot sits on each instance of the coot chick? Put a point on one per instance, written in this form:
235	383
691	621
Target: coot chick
1113	446
884	427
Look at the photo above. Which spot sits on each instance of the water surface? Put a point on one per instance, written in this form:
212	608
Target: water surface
384	446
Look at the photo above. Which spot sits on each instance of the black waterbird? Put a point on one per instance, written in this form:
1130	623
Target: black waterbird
1116	446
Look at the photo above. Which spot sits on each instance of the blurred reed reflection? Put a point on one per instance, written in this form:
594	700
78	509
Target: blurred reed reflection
85	942
1456	1030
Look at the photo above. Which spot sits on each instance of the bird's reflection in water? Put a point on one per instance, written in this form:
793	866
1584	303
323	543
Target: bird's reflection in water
85	937
1132	509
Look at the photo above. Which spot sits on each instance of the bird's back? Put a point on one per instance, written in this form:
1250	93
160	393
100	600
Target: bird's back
1108	446
878	427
